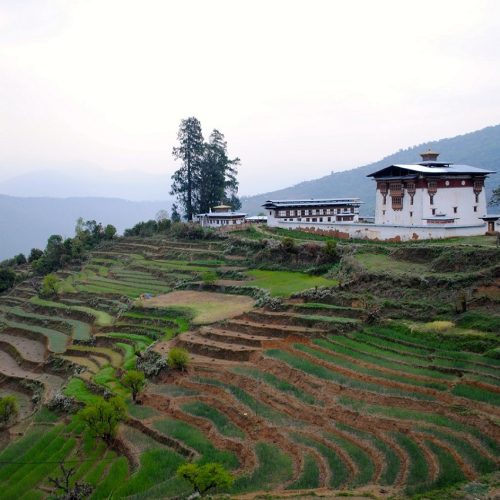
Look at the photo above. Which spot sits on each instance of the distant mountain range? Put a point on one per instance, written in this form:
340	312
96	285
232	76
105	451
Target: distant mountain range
85	180
480	149
28	222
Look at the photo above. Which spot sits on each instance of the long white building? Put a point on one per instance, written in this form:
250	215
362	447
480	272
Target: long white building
312	212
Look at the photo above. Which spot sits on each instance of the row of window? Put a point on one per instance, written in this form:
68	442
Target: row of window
316	211
455	211
397	201
223	222
320	219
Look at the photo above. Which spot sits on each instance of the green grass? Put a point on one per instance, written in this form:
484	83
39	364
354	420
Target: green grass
274	468
449	471
101	318
479	321
295	234
221	422
285	283
476	394
339	471
77	389
194	438
366	467
356	367
426	349
325	307
278	383
40	452
141	412
377	262
471	454
115	477
261	409
361	351
157	466
129	356
324	373
431	418
418	470
390	459
45	415
309	477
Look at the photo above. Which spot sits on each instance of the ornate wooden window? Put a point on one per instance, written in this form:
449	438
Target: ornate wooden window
383	191
396	192
432	190
478	187
411	188
397	202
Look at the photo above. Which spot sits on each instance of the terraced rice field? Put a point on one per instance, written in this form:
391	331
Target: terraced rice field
303	398
344	407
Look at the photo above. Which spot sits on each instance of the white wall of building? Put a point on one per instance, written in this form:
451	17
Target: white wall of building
387	231
445	201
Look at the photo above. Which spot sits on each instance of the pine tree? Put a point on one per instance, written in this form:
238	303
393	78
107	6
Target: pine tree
218	174
187	178
207	176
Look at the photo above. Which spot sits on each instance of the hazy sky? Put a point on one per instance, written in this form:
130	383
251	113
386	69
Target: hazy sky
299	88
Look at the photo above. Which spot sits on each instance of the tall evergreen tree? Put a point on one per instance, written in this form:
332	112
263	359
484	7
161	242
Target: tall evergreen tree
218	183
186	179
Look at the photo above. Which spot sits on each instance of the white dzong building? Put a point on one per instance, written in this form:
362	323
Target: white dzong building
430	192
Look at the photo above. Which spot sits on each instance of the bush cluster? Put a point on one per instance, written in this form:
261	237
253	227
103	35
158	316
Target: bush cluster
151	363
287	252
61	403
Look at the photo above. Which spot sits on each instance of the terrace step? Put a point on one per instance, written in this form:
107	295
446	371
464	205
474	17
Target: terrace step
10	368
325	323
231	337
270	330
337	311
100	361
31	350
272	317
214	349
10	301
87	363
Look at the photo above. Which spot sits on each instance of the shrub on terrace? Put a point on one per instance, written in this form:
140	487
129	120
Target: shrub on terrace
135	381
9	410
178	358
205	477
49	286
7	279
103	417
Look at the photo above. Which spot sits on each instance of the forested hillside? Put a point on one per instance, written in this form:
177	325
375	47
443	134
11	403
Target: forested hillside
480	148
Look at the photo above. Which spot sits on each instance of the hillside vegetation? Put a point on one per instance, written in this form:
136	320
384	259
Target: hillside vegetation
353	367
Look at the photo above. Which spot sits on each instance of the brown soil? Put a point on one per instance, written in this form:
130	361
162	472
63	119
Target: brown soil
10	369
